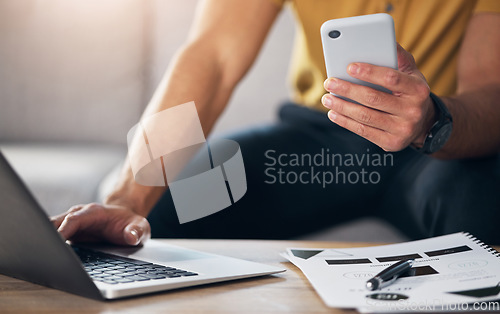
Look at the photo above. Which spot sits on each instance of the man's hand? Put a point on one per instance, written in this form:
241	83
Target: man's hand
390	121
108	223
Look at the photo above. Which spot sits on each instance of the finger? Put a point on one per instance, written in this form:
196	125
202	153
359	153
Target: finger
406	62
374	135
362	94
69	226
362	114
393	80
137	232
58	219
80	220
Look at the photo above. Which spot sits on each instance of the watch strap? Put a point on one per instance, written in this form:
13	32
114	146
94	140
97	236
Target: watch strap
443	119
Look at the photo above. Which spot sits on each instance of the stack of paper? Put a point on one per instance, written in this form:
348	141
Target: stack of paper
455	272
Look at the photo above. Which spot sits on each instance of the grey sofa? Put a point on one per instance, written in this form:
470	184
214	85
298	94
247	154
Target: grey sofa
76	75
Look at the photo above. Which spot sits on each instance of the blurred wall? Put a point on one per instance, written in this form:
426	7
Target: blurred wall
84	70
67	68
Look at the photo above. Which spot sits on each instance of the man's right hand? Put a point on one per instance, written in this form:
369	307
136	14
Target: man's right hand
102	223
221	27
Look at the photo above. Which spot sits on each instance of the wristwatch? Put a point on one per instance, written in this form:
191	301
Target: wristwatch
440	131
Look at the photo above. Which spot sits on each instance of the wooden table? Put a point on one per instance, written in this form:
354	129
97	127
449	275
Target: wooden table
286	292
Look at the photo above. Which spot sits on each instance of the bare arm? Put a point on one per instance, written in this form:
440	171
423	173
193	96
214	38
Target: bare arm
222	45
476	107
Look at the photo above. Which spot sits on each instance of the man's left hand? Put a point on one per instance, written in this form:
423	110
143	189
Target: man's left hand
392	122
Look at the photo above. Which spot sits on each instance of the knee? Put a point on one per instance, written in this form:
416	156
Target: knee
461	199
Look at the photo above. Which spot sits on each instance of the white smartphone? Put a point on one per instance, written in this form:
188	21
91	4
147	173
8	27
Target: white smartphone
366	38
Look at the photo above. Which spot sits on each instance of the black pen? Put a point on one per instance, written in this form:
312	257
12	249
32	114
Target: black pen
389	275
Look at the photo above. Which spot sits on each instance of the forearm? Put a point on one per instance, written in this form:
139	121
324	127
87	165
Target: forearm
476	124
476	107
222	45
195	75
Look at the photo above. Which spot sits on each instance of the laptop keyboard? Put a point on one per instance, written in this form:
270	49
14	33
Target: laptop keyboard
113	269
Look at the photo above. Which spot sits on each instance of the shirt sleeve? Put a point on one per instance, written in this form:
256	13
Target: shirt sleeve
487	6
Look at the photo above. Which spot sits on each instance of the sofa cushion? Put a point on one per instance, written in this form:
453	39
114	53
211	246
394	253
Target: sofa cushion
62	175
71	70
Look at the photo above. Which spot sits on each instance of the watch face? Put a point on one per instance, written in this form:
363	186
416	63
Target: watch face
440	138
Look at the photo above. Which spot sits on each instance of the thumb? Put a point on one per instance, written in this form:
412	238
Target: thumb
136	232
406	62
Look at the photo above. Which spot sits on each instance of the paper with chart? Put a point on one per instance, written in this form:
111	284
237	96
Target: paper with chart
448	270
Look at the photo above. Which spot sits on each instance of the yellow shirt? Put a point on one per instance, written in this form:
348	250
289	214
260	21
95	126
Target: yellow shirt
431	30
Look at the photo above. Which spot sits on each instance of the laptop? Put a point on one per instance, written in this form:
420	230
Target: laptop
31	249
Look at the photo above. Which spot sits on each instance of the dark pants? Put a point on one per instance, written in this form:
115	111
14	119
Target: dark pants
327	175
